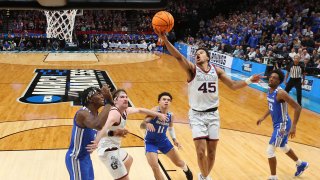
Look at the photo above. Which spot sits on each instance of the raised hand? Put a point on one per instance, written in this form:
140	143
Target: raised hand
105	90
161	35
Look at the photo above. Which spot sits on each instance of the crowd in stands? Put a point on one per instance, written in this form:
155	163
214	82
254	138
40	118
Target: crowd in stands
101	21
251	30
275	29
121	42
94	30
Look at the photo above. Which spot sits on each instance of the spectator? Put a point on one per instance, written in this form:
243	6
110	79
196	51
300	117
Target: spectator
253	41
236	52
258	56
292	54
271	63
6	46
305	56
251	54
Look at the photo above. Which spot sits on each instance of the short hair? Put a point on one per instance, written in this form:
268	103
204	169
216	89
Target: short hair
296	56
164	94
280	74
206	50
86	94
116	93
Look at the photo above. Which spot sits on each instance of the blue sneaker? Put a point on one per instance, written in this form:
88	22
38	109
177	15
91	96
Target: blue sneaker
303	166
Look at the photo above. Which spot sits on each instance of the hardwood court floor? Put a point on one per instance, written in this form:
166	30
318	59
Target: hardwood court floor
34	138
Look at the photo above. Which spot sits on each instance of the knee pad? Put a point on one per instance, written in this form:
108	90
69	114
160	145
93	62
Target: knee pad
285	149
271	151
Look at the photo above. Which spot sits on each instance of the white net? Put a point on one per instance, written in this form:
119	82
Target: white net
60	24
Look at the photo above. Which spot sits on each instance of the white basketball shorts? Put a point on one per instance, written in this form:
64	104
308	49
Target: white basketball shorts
204	125
114	161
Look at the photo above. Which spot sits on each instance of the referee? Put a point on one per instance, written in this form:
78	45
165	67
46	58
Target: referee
296	71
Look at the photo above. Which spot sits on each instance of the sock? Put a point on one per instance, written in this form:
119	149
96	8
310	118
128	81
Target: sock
273	177
298	162
185	167
204	177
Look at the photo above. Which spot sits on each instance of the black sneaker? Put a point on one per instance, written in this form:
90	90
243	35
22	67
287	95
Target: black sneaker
188	174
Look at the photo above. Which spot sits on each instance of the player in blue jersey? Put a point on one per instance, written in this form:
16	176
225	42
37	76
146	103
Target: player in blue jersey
282	127
156	138
86	119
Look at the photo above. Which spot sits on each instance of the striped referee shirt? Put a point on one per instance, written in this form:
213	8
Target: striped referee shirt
296	71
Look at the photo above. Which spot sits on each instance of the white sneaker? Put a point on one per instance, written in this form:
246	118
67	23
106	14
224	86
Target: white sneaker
200	177
273	178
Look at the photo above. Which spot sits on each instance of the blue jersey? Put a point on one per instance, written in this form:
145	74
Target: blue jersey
80	138
160	128
278	110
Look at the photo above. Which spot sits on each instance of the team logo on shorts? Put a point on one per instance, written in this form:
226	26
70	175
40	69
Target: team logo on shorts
115	163
62	85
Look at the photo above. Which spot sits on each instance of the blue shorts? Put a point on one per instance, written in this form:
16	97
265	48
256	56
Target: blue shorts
79	168
163	146
280	139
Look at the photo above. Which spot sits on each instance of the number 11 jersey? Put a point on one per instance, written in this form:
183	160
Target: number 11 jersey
160	129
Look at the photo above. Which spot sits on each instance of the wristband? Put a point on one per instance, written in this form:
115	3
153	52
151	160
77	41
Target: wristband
248	80
172	133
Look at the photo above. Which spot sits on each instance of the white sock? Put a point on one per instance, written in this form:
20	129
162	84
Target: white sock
273	177
298	162
185	168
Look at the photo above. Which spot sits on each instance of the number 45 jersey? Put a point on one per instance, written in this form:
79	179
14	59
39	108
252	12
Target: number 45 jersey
203	89
160	129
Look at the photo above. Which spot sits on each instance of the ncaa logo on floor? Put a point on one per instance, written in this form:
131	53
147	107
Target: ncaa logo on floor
62	85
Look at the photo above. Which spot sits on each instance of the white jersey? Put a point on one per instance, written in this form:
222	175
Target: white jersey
107	142
203	89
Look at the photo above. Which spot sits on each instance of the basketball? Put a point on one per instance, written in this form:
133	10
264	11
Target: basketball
163	21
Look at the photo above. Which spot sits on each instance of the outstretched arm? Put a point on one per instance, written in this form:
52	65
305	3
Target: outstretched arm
234	85
132	110
184	63
145	123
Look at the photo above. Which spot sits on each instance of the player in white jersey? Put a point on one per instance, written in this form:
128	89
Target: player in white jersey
117	160
204	101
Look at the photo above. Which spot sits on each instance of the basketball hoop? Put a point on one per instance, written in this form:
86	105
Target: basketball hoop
60	24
